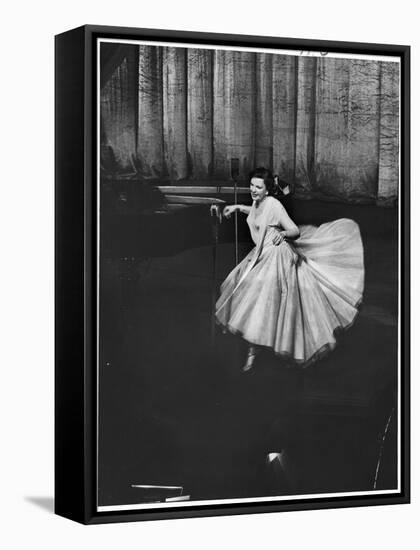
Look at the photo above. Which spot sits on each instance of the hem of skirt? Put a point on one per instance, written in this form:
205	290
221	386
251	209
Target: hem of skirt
293	362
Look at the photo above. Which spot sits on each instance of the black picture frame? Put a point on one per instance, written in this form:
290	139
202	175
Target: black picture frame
76	384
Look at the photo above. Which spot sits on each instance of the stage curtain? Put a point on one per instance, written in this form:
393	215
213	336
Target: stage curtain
200	113
234	112
346	128
388	132
118	112
328	126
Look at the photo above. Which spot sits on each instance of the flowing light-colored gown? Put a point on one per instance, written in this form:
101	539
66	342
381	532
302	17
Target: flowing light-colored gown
295	296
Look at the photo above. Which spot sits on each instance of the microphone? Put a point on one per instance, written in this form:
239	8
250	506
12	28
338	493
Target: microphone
234	169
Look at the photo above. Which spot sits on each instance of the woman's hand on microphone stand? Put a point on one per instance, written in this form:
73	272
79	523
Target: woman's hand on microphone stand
229	210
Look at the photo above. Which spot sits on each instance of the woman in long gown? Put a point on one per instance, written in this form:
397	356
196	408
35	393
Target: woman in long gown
297	286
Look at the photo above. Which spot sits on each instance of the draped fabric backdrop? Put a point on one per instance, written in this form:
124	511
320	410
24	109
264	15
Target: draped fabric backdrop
328	126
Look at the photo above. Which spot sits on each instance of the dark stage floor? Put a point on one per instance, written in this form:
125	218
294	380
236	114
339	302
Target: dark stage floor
175	408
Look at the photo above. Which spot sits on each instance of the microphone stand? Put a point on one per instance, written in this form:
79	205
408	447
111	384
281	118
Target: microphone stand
234	171
216	215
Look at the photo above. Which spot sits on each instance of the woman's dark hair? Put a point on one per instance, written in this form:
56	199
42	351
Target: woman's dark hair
272	183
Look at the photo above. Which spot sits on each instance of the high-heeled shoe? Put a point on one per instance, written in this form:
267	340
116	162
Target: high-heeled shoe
250	359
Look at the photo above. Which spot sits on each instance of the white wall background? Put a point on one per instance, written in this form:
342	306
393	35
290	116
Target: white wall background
26	175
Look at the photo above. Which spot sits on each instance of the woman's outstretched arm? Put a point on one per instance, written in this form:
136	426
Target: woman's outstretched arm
229	210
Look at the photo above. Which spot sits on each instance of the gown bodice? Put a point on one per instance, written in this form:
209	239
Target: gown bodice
268	212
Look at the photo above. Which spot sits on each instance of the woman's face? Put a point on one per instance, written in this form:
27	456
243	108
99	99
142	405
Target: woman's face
258	189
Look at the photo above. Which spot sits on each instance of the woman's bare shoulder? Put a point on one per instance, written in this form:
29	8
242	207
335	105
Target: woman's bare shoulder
275	204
